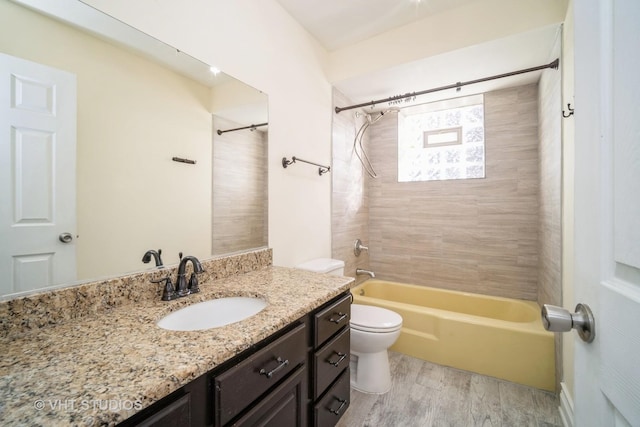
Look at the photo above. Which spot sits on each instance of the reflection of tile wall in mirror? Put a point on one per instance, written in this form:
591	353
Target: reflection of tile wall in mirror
133	116
239	187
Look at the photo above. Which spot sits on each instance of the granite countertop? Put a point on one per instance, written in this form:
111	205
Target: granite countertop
102	369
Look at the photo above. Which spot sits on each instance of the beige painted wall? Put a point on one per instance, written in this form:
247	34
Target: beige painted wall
133	117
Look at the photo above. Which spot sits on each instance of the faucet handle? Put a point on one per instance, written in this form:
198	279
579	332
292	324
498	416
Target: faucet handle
193	284
358	247
169	292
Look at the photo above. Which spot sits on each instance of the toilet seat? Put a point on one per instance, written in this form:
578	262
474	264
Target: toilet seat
368	318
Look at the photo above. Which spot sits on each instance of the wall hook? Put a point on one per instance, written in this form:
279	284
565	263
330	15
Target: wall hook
570	111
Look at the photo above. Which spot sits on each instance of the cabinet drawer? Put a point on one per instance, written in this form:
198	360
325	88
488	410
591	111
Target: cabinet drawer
284	406
331	319
330	361
331	407
239	386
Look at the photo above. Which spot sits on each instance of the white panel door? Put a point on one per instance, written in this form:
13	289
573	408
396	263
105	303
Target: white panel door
37	175
607	209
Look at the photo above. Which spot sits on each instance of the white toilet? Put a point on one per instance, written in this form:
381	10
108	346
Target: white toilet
373	331
323	265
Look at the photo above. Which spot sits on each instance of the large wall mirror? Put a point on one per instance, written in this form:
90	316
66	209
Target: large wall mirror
114	143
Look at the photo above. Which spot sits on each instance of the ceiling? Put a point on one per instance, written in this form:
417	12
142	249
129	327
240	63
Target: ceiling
339	23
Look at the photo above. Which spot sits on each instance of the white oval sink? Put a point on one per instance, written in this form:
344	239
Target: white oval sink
212	314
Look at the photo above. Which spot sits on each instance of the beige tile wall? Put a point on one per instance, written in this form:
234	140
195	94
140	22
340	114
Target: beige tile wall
350	194
239	188
478	235
499	235
550	221
550	198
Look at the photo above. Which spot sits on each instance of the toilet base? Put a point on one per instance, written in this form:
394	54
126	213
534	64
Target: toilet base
370	372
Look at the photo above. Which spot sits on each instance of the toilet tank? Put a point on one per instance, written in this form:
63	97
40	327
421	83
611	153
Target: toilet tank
323	265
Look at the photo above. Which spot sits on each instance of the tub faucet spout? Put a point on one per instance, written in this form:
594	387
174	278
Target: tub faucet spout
360	271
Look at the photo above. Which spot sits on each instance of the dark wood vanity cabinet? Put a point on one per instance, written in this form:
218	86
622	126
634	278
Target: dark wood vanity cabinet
297	377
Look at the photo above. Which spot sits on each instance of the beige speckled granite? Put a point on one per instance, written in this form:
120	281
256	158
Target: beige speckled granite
73	303
102	368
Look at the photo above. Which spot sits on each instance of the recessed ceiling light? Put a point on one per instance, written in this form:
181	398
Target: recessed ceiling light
214	70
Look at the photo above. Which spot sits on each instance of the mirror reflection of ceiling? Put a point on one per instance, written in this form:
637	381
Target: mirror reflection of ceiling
134	116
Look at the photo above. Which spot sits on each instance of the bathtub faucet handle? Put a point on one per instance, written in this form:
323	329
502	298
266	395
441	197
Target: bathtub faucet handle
358	247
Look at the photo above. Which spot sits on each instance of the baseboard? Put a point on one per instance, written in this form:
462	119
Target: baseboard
566	407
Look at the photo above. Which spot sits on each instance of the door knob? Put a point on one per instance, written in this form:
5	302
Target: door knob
558	319
65	237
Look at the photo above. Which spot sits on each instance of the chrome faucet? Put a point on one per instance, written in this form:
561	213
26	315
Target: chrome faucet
360	271
182	289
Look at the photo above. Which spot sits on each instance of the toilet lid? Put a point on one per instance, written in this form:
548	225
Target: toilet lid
374	319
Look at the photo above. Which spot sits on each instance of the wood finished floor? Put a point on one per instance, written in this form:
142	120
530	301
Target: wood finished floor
424	394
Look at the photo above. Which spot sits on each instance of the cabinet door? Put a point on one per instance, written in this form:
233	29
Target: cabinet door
177	413
283	407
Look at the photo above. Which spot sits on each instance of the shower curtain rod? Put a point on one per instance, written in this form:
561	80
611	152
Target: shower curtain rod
458	85
252	127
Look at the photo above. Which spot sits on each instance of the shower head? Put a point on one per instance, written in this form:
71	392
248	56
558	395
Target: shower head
372	117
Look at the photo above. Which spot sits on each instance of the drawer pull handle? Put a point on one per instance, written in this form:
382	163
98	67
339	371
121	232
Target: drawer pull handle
343	402
282	364
339	319
341	356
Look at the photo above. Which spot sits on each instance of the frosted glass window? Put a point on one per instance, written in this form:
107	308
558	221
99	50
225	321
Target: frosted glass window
442	140
449	136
